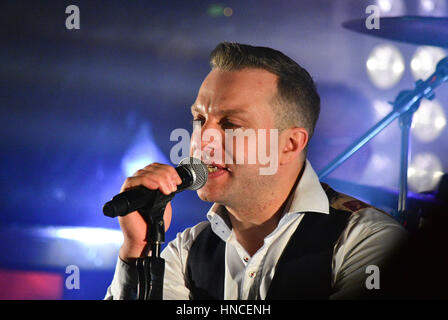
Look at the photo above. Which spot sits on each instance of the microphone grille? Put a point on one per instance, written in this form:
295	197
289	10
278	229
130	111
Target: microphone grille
199	171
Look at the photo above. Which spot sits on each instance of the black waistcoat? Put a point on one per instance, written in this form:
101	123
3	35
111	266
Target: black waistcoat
304	268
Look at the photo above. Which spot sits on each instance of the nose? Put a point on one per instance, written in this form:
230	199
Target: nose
210	139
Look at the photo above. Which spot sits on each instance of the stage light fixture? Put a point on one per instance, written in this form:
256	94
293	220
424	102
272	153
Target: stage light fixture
424	61
432	7
385	5
428	121
385	66
427	5
215	10
425	172
391	7
227	12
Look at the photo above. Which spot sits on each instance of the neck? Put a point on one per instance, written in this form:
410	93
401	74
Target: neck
251	234
256	220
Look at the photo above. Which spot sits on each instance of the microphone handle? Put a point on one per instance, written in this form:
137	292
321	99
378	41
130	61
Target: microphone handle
140	197
129	201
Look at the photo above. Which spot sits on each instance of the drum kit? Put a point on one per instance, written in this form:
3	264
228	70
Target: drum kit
430	31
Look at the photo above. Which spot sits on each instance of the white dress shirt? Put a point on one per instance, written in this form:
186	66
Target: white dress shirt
368	239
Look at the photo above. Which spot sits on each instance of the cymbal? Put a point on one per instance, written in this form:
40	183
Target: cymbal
430	31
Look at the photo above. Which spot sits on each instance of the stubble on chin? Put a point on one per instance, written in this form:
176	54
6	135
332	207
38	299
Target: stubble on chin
210	196
204	195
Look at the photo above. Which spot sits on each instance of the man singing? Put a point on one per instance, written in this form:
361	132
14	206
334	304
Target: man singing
281	235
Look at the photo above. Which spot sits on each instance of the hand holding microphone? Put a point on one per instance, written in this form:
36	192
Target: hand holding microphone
142	191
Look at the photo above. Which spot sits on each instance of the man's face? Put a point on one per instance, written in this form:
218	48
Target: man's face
236	100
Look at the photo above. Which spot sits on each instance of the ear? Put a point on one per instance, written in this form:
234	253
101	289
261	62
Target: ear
294	141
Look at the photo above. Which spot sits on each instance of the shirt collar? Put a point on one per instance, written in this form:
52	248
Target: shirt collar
308	196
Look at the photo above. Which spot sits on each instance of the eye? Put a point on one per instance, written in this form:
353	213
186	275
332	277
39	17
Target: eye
227	124
198	118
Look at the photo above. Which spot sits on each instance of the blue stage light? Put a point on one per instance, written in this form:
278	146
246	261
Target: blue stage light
142	152
86	235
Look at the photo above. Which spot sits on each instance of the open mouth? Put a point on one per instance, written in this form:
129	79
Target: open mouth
214	168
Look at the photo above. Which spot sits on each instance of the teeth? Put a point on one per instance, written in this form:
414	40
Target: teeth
212	169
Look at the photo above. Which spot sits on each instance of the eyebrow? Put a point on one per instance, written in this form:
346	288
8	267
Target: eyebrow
222	111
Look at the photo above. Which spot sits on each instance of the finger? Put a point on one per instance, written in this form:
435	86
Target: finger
160	181
140	172
176	178
145	181
165	176
168	176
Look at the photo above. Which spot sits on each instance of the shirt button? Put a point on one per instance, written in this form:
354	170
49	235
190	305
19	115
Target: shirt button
246	259
252	274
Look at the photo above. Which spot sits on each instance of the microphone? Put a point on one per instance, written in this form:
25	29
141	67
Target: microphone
193	173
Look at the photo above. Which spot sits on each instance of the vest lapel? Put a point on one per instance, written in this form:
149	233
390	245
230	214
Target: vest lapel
304	268
205	266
